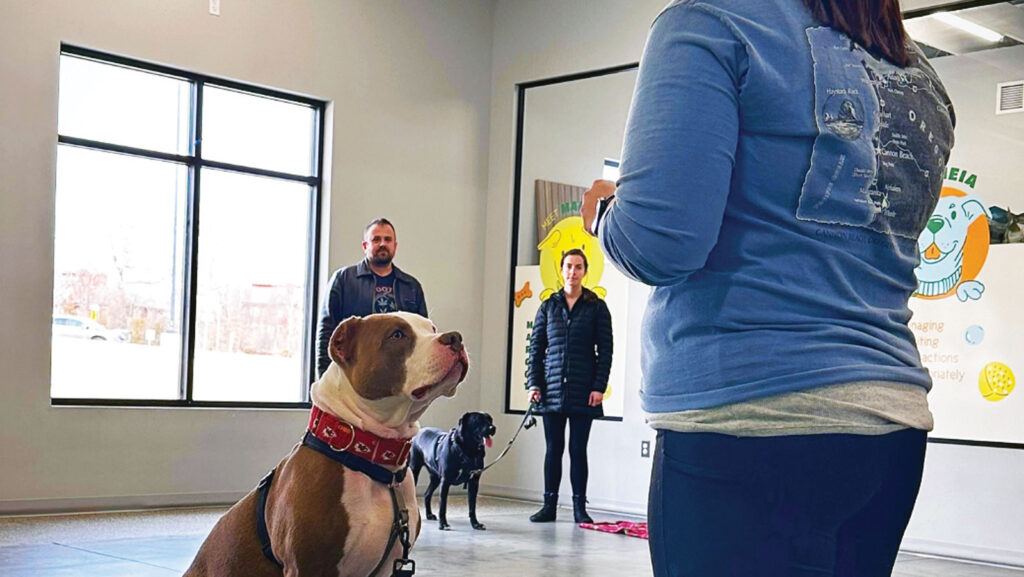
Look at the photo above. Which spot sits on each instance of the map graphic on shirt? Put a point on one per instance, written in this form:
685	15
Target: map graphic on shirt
384	294
883	139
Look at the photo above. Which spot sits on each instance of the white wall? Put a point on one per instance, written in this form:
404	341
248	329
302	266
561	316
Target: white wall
409	87
971	504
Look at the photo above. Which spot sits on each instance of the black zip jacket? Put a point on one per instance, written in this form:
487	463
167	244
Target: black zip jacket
570	353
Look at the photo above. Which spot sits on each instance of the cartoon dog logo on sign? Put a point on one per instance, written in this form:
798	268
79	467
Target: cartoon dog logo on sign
568	233
953	247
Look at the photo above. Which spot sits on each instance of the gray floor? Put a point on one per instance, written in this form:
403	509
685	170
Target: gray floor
162	543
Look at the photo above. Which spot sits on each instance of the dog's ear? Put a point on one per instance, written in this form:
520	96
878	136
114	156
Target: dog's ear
462	418
551	240
342	348
973	209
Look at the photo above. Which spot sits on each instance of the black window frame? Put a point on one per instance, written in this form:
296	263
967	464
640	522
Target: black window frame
195	163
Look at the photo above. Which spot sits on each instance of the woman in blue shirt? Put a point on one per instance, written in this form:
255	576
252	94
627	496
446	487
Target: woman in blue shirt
780	160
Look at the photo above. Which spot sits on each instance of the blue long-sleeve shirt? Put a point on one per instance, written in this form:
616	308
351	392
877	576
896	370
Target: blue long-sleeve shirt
775	178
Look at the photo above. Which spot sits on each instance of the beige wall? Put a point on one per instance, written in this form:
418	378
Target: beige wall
409	87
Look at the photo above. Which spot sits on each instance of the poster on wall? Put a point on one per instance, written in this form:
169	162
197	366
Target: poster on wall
534	284
967	309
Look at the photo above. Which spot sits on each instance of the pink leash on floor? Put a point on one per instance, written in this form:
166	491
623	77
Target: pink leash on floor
627	528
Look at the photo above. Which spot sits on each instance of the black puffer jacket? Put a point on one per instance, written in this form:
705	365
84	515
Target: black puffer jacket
570	353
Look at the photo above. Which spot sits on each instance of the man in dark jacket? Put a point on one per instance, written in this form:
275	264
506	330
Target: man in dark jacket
373	285
570	359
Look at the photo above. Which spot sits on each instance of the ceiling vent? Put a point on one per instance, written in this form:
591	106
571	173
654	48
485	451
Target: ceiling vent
1010	97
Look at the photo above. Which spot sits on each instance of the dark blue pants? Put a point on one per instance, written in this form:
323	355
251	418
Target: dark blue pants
554	437
804	505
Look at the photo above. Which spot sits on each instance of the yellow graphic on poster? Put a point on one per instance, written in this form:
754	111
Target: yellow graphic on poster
567	234
996	381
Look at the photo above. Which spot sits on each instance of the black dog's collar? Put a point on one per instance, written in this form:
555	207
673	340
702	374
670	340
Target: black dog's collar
350	460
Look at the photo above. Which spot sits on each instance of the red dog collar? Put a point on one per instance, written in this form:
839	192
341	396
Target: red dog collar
344	437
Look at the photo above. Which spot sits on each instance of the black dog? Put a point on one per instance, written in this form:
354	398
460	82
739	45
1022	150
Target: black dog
451	458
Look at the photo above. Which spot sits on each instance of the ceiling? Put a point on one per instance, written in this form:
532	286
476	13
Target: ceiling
1006	18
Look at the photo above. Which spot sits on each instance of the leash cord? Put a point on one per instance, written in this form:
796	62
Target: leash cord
527	418
399	532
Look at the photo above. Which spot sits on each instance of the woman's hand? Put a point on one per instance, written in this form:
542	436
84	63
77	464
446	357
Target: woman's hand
595	398
600	189
534	396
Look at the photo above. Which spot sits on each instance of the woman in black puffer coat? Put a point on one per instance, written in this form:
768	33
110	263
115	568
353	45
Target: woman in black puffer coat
570	358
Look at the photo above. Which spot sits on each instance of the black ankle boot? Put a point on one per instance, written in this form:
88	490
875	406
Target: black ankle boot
547	512
579	509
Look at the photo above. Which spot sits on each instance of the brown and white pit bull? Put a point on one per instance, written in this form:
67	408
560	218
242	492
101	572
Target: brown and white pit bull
323	517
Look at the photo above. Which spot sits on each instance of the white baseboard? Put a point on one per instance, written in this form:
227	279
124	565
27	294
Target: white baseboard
629	508
120	503
965	552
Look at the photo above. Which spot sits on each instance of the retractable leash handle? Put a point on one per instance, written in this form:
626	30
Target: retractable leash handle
530	412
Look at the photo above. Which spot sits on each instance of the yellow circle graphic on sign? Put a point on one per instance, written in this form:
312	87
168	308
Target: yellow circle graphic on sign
996	381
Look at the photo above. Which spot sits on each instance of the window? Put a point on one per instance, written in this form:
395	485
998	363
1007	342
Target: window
187	212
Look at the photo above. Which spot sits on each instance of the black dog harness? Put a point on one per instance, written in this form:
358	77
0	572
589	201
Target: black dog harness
403	566
261	517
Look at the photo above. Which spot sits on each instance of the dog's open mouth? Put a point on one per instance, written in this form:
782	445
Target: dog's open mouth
421	392
488	442
454	375
934	254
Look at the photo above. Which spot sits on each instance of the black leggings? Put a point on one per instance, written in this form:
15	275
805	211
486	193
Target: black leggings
554	436
821	505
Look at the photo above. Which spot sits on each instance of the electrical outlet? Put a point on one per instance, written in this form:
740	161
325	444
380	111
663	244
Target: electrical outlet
215	7
645	449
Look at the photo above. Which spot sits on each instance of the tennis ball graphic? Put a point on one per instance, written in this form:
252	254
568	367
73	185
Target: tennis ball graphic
996	381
